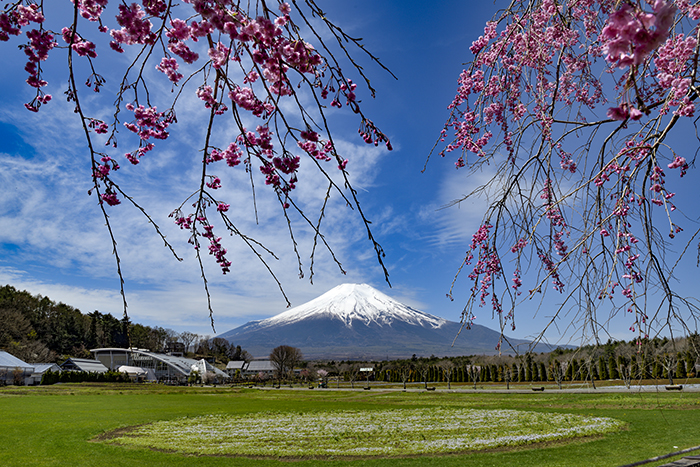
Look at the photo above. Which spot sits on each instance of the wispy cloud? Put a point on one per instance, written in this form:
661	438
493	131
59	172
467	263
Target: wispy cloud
456	221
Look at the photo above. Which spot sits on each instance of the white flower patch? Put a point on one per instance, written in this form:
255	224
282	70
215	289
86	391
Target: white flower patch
363	433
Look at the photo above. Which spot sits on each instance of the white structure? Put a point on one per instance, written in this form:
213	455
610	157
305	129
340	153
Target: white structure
165	368
137	374
13	370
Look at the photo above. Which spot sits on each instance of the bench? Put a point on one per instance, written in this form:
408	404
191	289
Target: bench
690	461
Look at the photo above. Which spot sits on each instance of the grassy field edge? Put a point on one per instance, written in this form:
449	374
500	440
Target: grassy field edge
54	425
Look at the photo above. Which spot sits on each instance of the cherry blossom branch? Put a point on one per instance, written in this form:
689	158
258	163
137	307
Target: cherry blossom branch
534	85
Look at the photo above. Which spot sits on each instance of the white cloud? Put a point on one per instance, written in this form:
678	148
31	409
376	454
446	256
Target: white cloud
456	223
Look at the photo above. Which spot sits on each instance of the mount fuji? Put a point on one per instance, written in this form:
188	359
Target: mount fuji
356	321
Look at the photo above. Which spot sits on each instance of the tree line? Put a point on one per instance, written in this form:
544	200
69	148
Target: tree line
657	358
38	329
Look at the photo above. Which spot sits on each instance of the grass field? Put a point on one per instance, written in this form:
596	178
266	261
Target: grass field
58	425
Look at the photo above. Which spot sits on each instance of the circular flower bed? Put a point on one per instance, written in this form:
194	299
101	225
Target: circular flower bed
362	433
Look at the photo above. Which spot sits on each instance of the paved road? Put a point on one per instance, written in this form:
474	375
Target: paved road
516	390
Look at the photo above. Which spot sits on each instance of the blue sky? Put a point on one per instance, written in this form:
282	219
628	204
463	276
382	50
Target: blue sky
53	240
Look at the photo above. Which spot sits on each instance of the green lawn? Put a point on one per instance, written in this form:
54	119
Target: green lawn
55	425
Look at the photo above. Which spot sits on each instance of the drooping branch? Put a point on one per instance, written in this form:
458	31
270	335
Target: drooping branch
540	78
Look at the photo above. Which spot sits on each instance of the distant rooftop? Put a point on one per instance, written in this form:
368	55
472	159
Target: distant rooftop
8	360
235	365
84	364
260	365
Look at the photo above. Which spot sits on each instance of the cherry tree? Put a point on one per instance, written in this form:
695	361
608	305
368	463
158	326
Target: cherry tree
252	65
581	112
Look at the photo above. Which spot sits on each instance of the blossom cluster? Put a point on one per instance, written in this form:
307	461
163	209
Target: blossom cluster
136	28
232	154
487	267
630	34
372	135
206	94
102	170
246	99
671	62
40	43
170	67
215	247
11	22
313	146
37	49
91	9
148	122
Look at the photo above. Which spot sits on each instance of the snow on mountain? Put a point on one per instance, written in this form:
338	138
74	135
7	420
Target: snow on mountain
355	302
356	321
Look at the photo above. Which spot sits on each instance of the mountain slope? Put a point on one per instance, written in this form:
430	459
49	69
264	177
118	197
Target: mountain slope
356	321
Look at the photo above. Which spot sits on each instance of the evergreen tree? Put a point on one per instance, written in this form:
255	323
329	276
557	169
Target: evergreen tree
680	367
603	374
612	368
543	372
92	334
576	370
644	370
529	376
690	364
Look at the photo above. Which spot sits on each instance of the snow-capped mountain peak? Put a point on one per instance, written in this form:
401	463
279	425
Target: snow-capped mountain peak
355	303
355	321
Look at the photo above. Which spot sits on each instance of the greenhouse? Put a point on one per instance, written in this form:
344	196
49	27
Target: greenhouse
167	368
13	370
